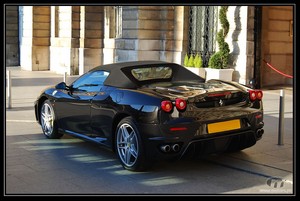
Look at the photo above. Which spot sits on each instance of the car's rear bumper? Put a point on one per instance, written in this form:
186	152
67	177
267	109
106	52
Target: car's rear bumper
164	143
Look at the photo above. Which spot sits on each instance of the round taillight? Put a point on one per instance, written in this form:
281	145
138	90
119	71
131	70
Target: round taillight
255	94
259	94
252	95
166	106
180	104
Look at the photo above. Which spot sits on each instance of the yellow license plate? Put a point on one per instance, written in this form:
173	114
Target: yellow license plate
223	126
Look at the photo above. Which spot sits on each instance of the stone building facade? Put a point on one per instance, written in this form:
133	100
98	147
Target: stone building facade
12	36
277	45
74	39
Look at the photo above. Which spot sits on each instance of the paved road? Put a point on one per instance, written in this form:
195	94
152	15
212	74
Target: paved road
70	166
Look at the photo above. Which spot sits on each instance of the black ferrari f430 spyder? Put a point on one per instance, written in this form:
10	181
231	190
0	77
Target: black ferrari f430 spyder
152	110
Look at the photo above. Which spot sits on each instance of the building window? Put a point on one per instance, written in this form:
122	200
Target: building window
203	23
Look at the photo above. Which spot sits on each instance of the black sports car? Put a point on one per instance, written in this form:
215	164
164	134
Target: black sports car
148	110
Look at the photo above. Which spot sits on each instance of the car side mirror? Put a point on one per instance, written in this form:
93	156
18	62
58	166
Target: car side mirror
62	86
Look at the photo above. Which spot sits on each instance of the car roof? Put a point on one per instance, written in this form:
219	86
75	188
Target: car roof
120	76
120	65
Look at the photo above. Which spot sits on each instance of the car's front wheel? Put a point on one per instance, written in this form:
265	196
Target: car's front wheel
129	146
48	123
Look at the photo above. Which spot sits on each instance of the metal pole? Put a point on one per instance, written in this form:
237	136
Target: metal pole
281	118
65	77
8	88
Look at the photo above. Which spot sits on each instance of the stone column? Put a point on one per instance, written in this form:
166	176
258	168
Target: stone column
185	31
151	33
250	47
65	33
109	53
91	37
240	43
35	39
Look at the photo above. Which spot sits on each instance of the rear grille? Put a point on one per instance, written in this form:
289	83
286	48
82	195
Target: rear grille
217	101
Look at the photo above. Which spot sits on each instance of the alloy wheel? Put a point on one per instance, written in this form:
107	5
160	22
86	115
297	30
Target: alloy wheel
47	119
127	144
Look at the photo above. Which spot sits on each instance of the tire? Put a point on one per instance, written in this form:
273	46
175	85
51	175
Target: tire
129	146
48	123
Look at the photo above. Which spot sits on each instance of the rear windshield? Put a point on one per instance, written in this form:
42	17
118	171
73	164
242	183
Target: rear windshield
152	73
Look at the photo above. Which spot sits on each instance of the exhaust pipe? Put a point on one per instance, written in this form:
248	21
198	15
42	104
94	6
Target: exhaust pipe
165	148
175	147
259	133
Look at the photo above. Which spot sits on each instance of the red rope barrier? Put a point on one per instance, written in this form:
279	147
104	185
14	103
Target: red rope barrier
289	76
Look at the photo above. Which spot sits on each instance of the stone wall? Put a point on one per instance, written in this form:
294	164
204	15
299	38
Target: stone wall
65	39
277	44
76	38
35	37
11	36
151	33
91	37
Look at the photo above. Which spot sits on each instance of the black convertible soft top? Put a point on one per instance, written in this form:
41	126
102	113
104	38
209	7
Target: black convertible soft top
120	73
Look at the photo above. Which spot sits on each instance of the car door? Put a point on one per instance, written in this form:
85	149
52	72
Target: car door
102	113
75	110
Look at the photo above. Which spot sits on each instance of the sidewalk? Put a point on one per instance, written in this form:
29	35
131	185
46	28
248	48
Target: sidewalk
27	85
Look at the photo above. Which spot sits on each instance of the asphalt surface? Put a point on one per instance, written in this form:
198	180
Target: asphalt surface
35	165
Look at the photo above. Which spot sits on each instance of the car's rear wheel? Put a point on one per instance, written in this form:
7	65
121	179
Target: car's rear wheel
129	146
48	123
